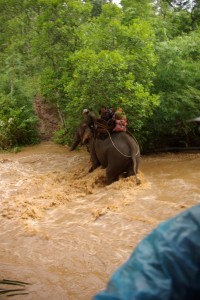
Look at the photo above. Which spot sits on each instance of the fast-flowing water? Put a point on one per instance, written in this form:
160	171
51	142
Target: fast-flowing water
64	231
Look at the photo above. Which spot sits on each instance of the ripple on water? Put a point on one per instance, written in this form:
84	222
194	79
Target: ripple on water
65	231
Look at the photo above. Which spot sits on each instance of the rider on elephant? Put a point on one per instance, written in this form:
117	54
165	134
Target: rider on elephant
120	120
113	122
89	123
105	123
105	113
89	117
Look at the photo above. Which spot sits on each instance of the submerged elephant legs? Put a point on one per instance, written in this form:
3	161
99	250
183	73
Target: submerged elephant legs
94	159
112	178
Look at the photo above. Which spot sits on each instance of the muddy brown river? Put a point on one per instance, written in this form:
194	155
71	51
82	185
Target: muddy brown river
64	231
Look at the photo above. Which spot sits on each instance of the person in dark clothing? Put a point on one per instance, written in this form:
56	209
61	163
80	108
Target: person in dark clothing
106	114
89	117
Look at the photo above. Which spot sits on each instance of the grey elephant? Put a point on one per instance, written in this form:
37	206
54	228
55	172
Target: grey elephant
118	152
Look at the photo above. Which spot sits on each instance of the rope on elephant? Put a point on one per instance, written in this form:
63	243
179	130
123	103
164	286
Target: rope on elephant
101	126
104	128
138	152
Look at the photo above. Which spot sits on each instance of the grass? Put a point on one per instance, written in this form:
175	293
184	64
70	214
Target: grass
14	288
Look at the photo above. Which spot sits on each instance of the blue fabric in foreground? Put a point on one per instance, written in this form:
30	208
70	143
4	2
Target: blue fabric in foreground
164	266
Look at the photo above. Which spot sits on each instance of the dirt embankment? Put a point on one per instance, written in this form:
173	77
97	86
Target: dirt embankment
49	119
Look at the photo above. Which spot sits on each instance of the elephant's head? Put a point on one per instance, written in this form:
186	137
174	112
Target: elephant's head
81	137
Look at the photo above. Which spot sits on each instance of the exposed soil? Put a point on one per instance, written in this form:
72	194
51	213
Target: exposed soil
49	119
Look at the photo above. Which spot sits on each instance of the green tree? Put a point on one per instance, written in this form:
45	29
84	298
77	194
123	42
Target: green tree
114	67
97	6
173	18
57	27
18	81
178	85
134	9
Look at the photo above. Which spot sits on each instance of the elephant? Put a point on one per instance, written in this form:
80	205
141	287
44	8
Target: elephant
117	152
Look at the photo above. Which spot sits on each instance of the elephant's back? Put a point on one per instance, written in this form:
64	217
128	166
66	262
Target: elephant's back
118	147
124	143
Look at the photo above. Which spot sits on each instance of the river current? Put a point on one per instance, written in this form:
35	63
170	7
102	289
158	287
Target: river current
65	232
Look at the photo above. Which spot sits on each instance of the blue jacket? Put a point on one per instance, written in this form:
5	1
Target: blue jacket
164	266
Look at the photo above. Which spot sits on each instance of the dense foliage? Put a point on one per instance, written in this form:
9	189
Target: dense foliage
142	56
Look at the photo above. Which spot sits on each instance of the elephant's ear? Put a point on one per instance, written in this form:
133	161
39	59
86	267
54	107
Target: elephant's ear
86	136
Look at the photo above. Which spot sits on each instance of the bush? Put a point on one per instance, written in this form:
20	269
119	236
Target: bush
17	123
